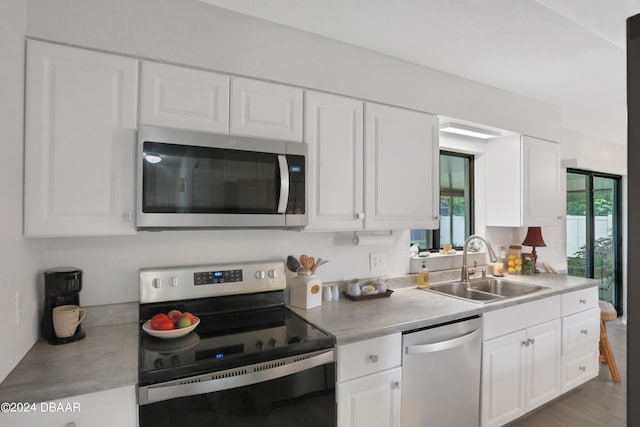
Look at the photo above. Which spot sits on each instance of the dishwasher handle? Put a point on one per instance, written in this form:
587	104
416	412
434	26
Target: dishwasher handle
443	345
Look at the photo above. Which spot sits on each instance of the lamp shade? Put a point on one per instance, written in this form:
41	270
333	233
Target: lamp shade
534	238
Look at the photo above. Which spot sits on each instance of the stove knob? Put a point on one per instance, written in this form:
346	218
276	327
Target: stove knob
260	275
273	274
259	345
272	343
173	281
158	363
156	283
175	360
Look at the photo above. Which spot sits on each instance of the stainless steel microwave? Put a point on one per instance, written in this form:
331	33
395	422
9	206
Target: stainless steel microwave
188	179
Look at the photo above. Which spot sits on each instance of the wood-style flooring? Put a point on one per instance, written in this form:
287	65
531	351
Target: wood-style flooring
597	403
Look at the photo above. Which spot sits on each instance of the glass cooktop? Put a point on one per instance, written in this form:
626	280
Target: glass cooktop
228	340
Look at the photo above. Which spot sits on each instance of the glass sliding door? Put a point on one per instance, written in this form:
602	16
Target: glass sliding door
593	231
578	210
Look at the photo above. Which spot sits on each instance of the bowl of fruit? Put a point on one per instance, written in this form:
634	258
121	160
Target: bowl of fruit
171	325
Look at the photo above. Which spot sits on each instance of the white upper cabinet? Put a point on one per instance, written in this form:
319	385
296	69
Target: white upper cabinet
333	127
524	182
266	110
184	98
79	142
401	154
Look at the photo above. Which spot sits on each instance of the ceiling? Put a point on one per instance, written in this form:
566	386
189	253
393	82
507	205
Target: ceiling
569	53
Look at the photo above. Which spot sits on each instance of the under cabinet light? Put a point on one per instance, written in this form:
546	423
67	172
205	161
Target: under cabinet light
152	158
468	131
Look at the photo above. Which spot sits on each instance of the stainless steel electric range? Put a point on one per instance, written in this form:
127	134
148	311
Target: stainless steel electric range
250	361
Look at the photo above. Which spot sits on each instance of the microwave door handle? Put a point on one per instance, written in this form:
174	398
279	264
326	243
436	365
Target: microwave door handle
284	183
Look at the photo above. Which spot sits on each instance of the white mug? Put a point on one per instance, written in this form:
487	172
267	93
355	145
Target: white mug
66	319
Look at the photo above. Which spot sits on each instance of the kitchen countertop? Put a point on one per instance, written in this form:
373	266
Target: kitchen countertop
108	357
410	308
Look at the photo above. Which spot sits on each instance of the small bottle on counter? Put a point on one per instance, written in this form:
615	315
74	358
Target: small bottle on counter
423	277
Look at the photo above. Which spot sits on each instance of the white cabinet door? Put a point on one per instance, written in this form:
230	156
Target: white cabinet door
368	401
333	130
184	98
401	154
526	170
542	185
79	142
504	379
544	373
266	110
116	407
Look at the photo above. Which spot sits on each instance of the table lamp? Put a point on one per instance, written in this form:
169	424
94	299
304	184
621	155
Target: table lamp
534	239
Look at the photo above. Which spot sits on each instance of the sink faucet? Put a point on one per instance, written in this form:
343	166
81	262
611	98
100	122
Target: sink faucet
492	255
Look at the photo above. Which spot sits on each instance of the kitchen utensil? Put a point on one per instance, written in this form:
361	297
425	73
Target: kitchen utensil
307	262
293	264
174	333
318	264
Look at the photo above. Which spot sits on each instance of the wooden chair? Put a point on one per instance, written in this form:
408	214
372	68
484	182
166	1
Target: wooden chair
608	312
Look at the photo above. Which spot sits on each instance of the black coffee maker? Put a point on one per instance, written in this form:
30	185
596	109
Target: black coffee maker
62	286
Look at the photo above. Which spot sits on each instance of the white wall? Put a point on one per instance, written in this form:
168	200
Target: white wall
19	259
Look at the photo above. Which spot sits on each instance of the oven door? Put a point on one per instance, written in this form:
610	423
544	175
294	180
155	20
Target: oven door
286	392
193	179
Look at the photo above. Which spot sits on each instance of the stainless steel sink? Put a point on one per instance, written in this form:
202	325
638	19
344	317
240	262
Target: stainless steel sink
484	290
503	287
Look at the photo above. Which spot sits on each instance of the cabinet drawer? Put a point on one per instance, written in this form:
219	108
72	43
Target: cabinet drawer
365	357
579	367
522	316
580	329
575	302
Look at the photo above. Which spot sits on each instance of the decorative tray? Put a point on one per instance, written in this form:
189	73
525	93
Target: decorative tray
370	296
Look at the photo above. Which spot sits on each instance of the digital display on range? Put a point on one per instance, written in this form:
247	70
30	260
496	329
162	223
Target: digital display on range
220	353
295	169
212	277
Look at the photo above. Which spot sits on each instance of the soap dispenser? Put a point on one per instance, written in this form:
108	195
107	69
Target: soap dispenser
423	276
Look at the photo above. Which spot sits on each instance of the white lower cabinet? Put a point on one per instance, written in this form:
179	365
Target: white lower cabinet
369	382
521	371
373	400
116	407
521	359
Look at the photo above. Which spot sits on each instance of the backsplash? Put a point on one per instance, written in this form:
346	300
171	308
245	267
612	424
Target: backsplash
111	264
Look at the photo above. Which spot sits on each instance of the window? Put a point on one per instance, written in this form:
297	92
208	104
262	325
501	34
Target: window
456	204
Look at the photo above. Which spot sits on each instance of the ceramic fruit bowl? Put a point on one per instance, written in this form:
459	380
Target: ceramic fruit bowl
173	333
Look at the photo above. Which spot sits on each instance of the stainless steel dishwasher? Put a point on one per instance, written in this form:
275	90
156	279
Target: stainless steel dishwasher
441	375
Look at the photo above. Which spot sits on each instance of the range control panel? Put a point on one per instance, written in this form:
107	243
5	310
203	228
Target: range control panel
211	277
200	281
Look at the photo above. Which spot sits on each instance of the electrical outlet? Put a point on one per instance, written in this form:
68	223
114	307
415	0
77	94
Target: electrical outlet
377	261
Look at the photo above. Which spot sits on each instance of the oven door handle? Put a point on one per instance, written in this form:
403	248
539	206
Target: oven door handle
254	374
284	184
